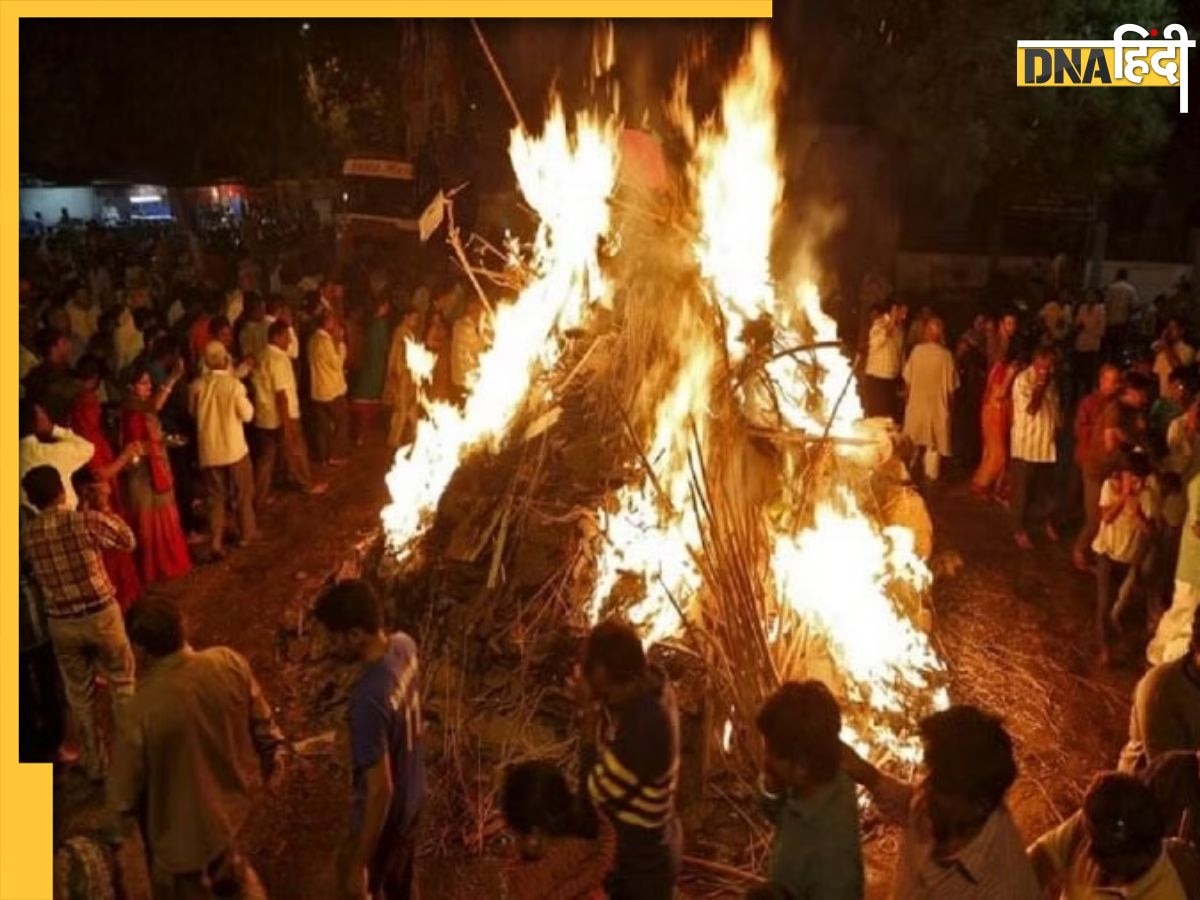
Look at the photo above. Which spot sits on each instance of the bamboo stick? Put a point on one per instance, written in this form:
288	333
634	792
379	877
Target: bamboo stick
453	240
487	52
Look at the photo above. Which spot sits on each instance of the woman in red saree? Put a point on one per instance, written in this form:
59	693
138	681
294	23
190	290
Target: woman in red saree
162	548
995	422
85	419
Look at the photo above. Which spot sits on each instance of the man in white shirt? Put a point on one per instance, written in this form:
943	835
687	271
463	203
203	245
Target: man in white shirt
1172	351
222	409
45	444
1120	301
327	376
881	375
1036	418
277	418
466	343
932	379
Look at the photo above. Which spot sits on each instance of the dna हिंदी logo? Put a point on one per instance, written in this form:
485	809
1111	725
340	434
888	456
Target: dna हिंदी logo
1134	57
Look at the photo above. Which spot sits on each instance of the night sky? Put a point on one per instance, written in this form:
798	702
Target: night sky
178	101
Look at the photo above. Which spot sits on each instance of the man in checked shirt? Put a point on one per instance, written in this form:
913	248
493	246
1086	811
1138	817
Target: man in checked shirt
64	548
632	768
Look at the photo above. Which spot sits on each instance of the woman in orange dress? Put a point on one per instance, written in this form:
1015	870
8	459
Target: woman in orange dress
162	549
104	468
995	423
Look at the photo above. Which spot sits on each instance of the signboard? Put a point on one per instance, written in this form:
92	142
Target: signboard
431	219
379	168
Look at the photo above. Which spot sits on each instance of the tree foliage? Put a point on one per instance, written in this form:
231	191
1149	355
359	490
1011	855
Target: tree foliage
940	85
934	82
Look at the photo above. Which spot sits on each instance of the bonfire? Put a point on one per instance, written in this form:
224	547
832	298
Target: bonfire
734	506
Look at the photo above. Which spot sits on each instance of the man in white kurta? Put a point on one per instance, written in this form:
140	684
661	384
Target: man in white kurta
932	379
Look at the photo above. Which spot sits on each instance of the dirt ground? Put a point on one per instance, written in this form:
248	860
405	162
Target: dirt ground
1014	628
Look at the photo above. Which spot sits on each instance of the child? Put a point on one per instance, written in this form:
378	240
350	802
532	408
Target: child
811	801
1126	517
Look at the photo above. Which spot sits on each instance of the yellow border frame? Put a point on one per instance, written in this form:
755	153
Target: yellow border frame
25	815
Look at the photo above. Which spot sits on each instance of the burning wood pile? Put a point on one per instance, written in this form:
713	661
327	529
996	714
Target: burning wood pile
660	430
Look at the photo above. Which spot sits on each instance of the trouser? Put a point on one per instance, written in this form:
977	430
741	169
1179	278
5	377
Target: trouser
880	396
647	872
272	443
392	872
236	482
86	647
41	716
330	429
657	887
1109	575
1032	486
1092	486
228	875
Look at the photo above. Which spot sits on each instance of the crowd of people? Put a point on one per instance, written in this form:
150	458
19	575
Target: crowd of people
1135	835
171	389
1081	414
204	378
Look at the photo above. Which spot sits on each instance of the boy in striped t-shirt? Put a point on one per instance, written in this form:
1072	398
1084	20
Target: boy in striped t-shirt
631	770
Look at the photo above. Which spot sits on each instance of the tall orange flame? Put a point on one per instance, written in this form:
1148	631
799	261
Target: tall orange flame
567	177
